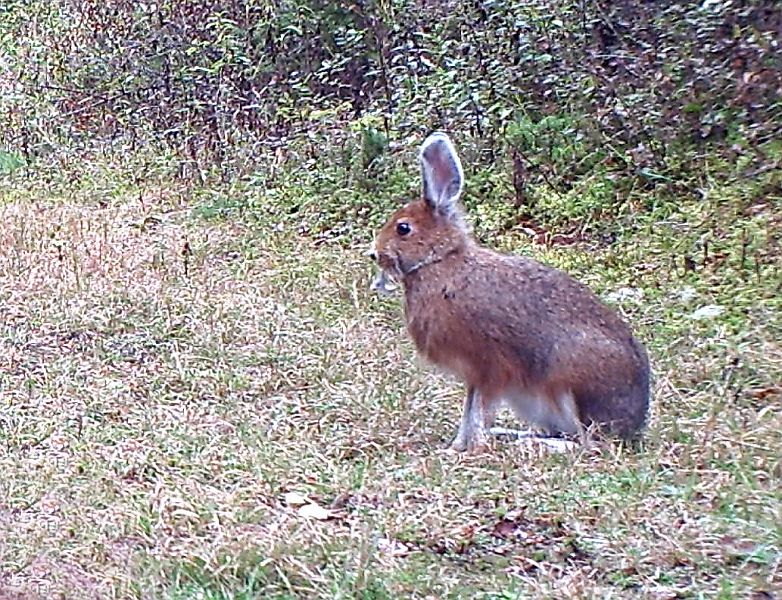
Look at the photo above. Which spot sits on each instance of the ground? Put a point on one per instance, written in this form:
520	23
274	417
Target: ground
218	408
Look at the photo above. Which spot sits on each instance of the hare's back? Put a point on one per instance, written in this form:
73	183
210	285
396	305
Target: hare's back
516	292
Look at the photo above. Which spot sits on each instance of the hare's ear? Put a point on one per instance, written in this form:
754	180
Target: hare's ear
442	174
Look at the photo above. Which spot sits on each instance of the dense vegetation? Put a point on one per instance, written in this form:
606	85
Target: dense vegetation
188	353
580	102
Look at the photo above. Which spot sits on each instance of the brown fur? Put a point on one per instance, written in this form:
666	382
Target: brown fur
513	330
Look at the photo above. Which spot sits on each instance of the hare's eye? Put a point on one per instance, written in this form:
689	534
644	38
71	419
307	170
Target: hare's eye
403	228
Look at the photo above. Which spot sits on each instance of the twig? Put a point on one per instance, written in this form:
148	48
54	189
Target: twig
540	169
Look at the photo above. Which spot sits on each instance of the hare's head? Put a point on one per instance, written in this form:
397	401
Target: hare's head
427	230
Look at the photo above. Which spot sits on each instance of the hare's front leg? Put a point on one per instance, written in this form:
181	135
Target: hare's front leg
474	426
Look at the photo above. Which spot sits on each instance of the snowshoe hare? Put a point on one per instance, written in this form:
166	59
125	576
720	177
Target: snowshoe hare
514	330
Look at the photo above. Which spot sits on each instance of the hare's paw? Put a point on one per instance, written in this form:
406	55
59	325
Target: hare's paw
505	433
477	443
457	445
557	445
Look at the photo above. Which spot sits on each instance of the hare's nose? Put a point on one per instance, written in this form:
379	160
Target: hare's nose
371	253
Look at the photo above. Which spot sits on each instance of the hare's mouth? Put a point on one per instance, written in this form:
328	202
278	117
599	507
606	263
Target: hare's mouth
389	273
384	283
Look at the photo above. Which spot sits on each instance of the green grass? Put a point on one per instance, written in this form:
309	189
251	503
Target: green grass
166	377
9	162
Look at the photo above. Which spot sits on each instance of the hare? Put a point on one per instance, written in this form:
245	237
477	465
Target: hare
514	330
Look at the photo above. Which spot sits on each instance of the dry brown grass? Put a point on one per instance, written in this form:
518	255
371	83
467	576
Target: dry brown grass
164	382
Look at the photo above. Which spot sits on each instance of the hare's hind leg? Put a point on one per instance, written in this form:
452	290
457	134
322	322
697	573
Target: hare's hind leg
570	411
554	416
474	425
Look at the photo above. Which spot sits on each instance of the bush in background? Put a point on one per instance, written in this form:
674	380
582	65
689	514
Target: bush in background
573	104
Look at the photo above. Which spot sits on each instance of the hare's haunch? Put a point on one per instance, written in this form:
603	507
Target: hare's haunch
514	330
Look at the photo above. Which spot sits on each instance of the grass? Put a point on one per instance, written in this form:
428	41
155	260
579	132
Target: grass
166	379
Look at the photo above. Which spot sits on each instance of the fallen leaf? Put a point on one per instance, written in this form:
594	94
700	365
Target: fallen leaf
295	499
391	547
504	528
314	511
707	312
625	294
765	392
688	293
